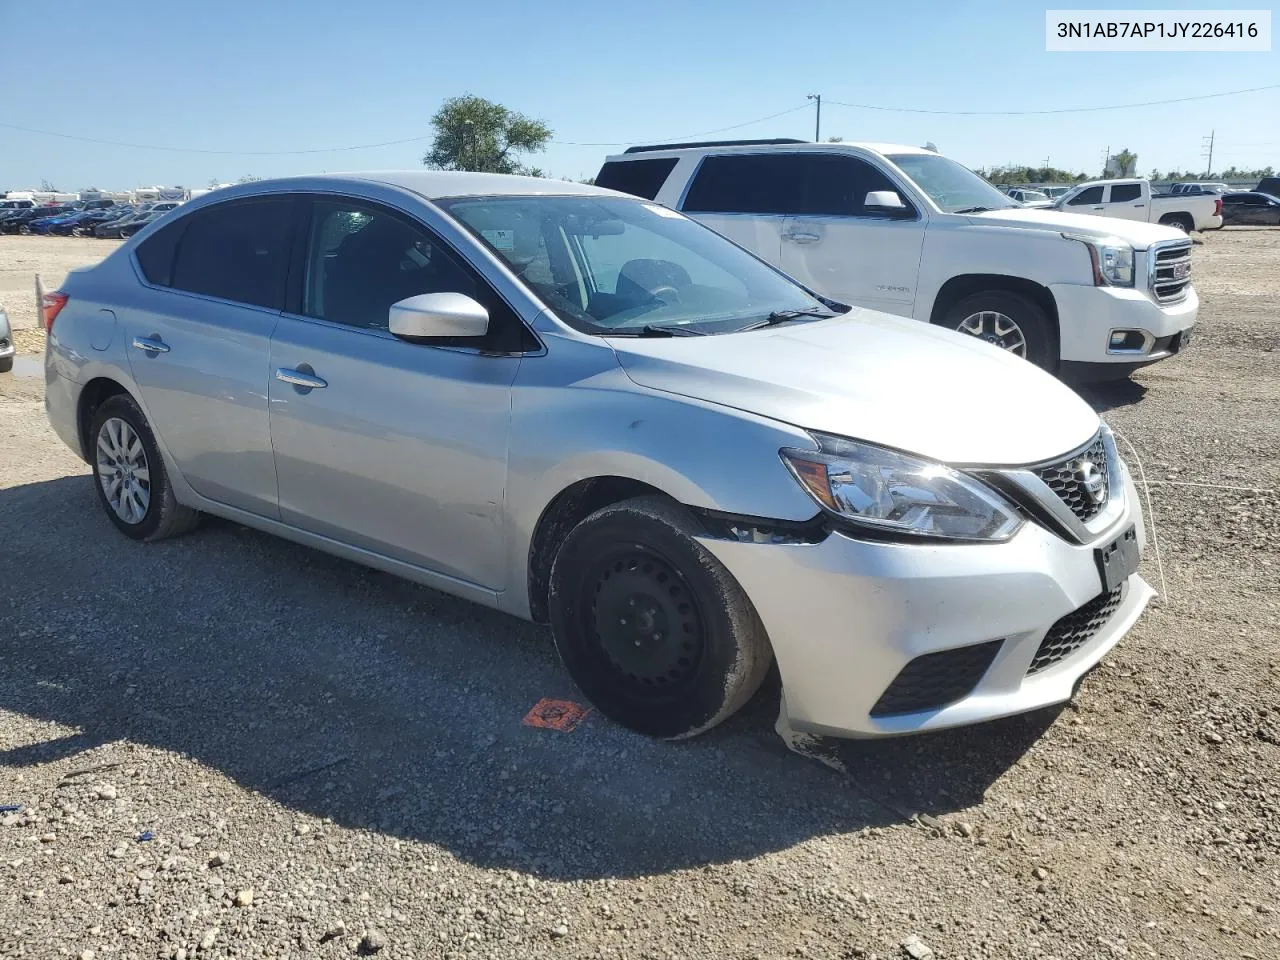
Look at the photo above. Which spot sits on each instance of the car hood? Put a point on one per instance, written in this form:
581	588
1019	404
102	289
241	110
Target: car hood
1138	234
879	378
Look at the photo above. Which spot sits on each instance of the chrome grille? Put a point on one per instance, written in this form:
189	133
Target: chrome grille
1062	478
1075	630
1170	271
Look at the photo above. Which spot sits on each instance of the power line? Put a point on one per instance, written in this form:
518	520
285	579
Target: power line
1030	113
361	146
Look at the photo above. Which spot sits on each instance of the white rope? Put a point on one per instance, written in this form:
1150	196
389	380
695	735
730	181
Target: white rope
1151	514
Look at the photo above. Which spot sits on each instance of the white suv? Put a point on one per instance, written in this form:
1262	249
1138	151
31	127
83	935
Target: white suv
907	231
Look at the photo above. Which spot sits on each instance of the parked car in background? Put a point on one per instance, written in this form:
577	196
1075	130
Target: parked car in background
22	221
88	222
1197	189
908	231
1030	198
586	409
135	224
120	228
7	348
1269	186
1133	200
1053	193
1251	207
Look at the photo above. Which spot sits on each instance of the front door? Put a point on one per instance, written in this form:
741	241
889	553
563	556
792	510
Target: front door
394	447
844	250
198	340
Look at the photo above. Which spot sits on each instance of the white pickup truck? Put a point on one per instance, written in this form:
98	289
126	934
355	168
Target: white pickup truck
907	231
1133	200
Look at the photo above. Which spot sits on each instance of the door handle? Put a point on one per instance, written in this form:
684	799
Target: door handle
300	379
1138	206
1098	208
150	344
802	237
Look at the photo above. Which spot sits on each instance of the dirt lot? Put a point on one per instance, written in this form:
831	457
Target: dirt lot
330	761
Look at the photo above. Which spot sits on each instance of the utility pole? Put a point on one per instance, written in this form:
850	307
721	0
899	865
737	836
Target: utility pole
817	120
1206	145
1106	159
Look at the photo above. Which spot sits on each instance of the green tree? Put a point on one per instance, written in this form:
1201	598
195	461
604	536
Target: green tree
472	133
1126	162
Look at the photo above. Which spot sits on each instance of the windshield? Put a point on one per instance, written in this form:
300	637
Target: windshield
609	265
954	188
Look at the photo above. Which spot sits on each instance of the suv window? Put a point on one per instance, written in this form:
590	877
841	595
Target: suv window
640	178
1126	192
1088	195
747	183
362	258
237	250
836	186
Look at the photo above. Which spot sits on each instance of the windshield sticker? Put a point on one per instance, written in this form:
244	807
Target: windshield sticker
500	239
662	211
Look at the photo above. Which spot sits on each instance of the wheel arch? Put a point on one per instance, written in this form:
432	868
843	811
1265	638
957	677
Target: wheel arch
965	285
92	395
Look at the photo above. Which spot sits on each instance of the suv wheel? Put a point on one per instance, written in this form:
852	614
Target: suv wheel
132	484
652	628
1006	320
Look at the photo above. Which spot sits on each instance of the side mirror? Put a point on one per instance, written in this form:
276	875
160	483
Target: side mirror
886	203
430	316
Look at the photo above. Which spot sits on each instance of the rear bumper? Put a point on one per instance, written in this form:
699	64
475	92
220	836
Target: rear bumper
1088	315
846	616
61	400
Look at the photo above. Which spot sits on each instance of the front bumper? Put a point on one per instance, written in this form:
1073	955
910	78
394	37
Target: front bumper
1087	316
846	616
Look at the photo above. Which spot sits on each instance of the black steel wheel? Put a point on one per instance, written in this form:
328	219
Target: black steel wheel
652	628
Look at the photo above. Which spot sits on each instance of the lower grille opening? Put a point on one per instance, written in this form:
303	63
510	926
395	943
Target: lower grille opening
1075	630
937	679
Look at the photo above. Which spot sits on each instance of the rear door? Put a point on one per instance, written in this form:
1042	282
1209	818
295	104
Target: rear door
1125	201
398	448
198	338
746	197
845	250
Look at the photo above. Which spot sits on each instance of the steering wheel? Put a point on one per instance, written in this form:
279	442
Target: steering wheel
661	293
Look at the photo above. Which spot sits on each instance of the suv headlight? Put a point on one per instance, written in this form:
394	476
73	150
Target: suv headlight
1112	260
892	492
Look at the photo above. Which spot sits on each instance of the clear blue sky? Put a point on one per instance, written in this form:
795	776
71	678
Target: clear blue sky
276	75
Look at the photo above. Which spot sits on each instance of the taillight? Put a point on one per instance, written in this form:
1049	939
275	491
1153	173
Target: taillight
1217	208
51	305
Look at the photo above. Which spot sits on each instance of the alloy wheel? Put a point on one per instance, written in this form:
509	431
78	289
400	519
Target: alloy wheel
997	329
123	470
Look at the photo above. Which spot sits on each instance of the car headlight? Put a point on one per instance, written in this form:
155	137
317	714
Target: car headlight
892	492
1112	260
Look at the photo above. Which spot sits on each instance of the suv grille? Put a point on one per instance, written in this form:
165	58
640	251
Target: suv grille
1075	630
1063	479
936	679
1171	271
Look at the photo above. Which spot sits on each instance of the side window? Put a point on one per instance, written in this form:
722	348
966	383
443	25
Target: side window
640	178
837	186
155	254
747	183
1088	195
237	250
360	259
1126	192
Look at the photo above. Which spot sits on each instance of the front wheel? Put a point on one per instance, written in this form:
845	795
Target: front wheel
1006	320
652	627
133	485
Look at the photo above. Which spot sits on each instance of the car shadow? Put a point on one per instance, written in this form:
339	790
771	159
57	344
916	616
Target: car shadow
341	692
1111	394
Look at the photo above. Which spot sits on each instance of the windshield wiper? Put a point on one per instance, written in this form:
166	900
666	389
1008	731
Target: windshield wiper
973	210
666	330
786	316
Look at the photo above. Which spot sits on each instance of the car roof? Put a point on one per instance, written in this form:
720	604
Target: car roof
437	184
799	147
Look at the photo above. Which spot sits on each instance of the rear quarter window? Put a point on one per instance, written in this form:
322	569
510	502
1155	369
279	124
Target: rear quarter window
747	183
640	178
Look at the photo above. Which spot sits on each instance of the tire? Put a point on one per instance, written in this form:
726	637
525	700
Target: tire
151	512
638	561
6	364
24	230
985	312
1179	220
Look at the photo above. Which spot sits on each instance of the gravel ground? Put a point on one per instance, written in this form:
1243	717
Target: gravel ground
228	745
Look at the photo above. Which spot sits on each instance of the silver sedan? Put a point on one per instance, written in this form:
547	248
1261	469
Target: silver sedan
587	410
